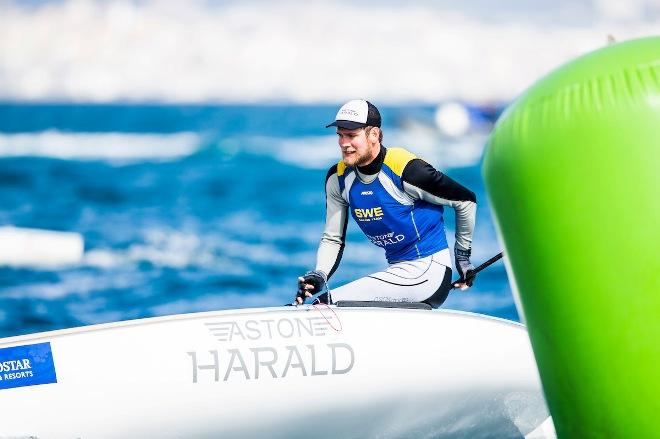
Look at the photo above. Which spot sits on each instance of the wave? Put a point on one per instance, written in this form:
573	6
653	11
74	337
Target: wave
321	152
121	147
489	302
257	51
309	152
227	300
221	250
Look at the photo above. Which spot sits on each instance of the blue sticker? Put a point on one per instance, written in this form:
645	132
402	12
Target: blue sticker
27	365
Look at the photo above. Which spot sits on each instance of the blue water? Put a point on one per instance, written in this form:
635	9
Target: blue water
196	208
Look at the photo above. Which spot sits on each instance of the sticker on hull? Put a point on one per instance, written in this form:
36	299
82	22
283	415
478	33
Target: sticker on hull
27	365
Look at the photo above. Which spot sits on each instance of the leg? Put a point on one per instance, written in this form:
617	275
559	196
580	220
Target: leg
420	280
439	297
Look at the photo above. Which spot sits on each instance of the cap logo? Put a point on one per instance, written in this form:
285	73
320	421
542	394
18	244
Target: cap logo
349	112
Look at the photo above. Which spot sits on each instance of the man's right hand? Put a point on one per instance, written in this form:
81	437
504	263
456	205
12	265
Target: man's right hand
309	284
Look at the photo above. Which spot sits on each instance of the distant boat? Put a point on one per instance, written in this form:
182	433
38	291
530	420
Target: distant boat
287	372
25	247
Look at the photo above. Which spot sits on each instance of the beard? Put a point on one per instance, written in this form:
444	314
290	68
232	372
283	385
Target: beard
357	159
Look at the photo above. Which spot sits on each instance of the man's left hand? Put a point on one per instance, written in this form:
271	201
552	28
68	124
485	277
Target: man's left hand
464	267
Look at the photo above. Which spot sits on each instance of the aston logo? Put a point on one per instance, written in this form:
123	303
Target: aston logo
241	359
269	329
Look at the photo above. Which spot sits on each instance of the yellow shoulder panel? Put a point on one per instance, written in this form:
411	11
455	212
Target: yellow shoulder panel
341	168
397	159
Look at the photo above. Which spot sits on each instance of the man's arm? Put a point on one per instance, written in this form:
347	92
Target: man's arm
331	247
423	181
336	218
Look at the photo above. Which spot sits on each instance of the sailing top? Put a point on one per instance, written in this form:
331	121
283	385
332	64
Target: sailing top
398	201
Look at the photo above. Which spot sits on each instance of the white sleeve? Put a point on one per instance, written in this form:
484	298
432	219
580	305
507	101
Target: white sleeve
332	243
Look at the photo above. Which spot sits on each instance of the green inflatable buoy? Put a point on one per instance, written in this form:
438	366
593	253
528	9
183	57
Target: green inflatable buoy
572	170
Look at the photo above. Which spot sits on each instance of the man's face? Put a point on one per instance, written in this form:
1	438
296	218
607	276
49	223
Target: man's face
358	148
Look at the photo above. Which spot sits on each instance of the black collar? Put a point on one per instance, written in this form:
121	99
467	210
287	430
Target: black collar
374	167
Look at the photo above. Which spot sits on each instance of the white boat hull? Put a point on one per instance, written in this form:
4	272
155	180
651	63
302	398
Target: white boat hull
279	373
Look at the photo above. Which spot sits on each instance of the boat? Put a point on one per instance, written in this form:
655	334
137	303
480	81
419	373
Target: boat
342	370
29	247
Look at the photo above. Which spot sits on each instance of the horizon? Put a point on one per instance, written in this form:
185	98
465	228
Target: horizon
257	52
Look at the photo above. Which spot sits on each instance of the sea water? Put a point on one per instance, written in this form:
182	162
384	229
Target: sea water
187	208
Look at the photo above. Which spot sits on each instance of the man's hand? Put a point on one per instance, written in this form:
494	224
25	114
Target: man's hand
309	284
464	267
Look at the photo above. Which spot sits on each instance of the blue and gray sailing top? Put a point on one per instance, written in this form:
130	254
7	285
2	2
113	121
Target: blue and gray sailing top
398	202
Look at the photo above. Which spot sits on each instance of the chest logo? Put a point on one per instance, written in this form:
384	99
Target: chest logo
374	213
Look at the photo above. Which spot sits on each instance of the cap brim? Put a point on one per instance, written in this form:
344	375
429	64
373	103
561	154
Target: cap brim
346	124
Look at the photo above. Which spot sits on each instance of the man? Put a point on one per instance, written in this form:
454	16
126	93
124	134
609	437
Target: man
398	201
